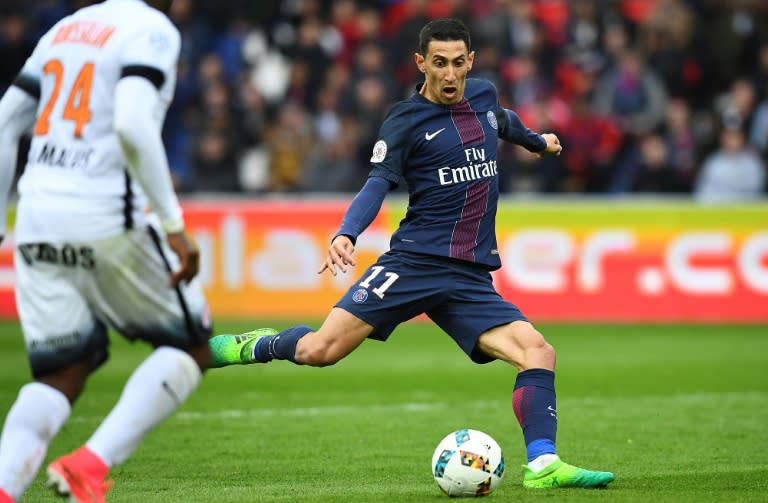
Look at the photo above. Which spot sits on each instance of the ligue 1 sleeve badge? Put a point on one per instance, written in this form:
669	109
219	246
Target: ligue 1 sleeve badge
360	295
379	151
492	119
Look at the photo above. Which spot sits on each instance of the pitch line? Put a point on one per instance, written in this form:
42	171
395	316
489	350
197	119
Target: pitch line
638	402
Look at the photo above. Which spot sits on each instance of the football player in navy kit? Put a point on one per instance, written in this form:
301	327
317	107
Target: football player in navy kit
443	142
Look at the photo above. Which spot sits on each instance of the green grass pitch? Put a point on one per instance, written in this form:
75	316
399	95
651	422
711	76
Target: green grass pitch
678	413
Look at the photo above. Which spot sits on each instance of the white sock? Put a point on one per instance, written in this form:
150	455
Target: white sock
34	419
542	461
153	392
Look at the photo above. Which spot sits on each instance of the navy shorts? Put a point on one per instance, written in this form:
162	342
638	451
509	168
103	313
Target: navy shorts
459	298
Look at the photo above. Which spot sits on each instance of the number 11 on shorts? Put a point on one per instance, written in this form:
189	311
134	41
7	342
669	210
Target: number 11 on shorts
375	271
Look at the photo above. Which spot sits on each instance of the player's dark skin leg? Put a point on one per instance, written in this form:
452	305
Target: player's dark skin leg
70	380
201	354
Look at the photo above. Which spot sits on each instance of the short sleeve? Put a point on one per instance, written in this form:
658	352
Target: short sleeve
392	147
156	46
33	66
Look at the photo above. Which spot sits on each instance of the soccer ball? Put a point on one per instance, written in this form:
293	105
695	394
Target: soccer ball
468	463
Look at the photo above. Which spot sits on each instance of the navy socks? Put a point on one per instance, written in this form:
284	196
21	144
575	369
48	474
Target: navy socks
281	346
535	407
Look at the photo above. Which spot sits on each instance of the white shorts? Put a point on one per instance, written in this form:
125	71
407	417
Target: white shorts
68	294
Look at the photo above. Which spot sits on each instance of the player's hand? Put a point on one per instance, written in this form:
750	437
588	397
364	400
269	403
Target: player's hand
553	145
339	255
189	256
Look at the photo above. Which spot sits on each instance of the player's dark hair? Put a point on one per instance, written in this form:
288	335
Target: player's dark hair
444	30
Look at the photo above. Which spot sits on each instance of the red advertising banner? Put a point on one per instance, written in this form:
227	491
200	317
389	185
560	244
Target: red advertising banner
624	262
580	261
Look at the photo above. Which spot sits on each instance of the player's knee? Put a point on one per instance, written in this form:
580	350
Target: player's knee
546	350
538	352
534	350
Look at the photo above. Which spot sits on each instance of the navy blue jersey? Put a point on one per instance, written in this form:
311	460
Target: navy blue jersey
447	154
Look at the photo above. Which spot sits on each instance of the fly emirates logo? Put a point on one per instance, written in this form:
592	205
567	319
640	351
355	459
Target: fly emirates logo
475	169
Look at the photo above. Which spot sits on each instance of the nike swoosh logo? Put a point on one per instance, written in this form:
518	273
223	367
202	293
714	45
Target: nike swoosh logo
170	391
429	136
552	412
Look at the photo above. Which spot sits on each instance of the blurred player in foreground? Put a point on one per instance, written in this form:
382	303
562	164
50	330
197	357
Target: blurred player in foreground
94	95
443	141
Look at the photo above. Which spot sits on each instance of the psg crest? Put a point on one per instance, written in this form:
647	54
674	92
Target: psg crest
360	295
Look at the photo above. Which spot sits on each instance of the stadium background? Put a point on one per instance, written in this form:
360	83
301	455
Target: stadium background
278	104
269	138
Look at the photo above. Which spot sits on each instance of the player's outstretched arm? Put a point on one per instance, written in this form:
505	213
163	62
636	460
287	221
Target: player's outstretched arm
17	114
136	100
361	212
339	255
553	145
189	256
512	129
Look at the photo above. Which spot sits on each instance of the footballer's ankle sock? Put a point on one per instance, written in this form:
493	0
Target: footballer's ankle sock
535	407
158	386
34	419
281	346
542	462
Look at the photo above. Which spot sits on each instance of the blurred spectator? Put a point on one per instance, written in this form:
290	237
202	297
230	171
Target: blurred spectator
370	62
649	169
271	93
681	143
732	37
217	146
654	171
368	110
311	60
734	172
401	45
758	133
586	29
15	46
327	120
738	103
215	162
527	82
553	17
521	31
633	93
333	165
289	141
665	38
616	41
760	72
593	141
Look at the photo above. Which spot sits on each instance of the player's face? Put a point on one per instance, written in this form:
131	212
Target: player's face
445	67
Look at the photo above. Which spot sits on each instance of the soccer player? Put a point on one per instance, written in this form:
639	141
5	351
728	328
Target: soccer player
93	95
443	142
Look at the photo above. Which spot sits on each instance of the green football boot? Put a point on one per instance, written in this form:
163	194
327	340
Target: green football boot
560	474
236	349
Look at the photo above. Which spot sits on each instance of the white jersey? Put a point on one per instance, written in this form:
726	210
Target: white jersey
76	185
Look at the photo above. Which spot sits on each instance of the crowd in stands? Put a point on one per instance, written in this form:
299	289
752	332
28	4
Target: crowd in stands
647	96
